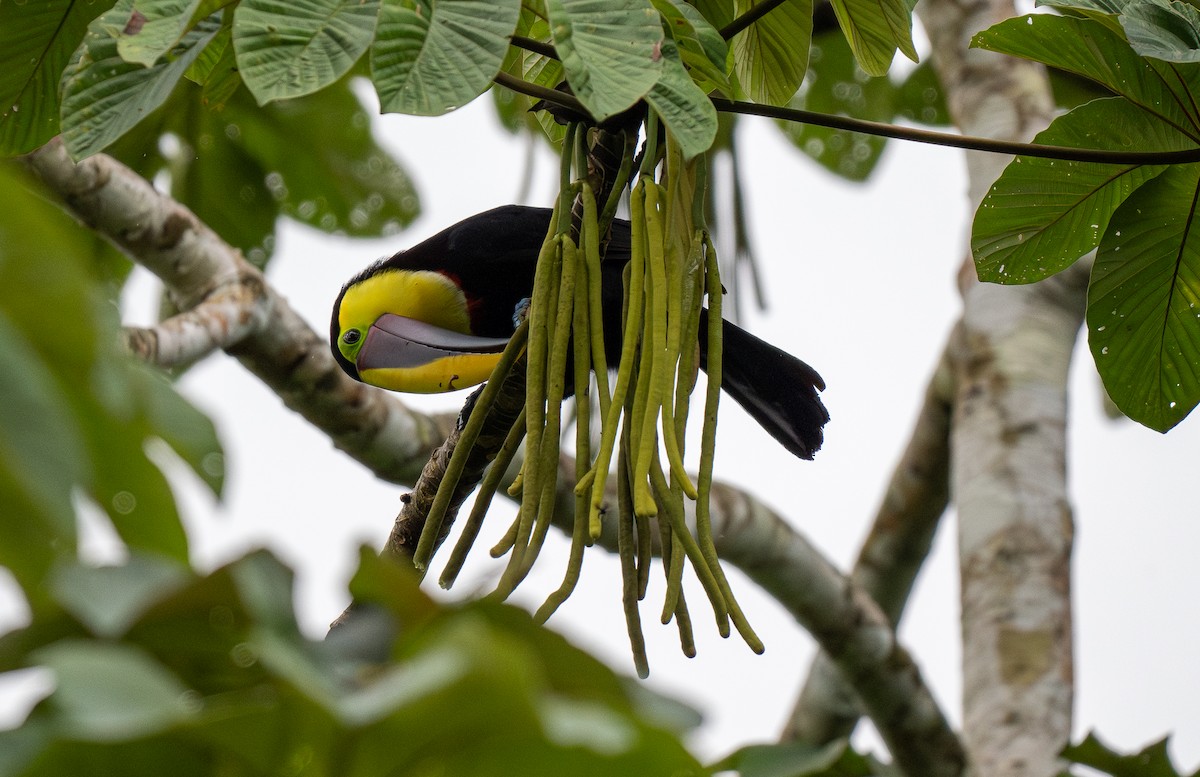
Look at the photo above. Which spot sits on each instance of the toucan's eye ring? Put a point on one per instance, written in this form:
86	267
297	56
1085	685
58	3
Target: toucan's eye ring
351	336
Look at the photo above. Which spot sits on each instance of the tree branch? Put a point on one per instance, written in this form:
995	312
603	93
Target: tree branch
894	551
965	142
750	17
847	623
530	89
223	318
894	131
275	343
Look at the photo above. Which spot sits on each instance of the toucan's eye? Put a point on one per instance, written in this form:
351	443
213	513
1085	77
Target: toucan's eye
351	336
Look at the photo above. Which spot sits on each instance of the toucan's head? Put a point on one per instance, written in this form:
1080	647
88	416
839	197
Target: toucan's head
409	330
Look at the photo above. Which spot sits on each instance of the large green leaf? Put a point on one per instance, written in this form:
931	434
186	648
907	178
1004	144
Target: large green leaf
684	108
216	69
98	413
1094	51
1154	760
610	50
289	48
40	446
1092	8
104	96
128	485
770	56
430	58
220	677
157	26
107	693
1143	309
538	69
1043	214
718	12
211	172
323	166
701	48
312	158
920	99
837	86
875	29
799	759
1164	29
36	41
108	600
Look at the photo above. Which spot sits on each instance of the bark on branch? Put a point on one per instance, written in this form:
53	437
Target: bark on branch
202	271
847	623
892	554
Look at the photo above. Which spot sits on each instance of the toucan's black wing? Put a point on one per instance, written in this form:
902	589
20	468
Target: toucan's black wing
491	256
778	390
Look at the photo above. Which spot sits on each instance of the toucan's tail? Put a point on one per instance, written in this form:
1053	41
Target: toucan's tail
775	388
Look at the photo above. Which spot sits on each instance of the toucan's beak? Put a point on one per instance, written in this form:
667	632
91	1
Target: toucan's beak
398	342
404	354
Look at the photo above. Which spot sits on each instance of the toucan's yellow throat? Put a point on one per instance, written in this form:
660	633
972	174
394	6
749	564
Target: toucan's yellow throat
409	330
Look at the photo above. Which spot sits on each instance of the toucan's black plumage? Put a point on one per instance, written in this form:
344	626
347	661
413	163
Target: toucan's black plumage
435	317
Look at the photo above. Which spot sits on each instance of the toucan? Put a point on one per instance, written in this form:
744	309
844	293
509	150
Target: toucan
437	316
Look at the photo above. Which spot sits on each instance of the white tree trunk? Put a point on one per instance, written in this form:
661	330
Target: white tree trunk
1008	472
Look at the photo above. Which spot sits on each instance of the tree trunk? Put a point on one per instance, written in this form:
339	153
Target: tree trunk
1008	467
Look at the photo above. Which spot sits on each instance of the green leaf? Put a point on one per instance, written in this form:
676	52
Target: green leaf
212	173
40	443
697	28
1071	90
920	98
1090	49
1143	310
190	433
1105	7
1152	761
430	58
156	26
108	600
42	453
322	165
313	159
838	86
116	411
1164	29
108	692
875	29
701	48
1043	214
104	96
719	13
289	48
127	485
683	107
610	50
20	747
770	56
798	759
215	676
36	41
264	586
546	72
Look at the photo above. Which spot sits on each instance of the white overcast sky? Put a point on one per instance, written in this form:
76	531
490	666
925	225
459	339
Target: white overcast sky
860	279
